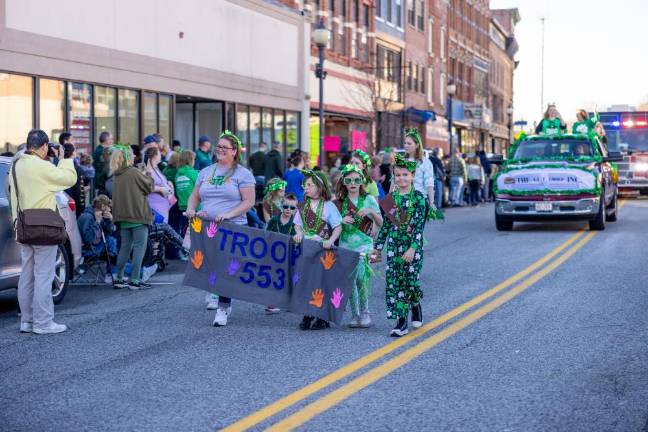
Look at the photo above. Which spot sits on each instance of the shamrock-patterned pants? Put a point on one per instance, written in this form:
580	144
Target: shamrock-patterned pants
403	287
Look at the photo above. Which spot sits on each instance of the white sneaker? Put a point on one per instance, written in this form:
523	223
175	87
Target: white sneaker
355	322
51	329
213	304
365	320
26	327
221	316
148	272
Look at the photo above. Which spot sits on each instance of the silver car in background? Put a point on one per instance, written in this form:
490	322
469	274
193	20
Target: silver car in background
68	256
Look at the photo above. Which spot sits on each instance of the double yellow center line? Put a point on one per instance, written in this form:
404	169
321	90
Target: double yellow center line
569	247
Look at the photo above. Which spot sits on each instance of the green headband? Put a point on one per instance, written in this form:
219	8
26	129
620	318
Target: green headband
272	187
321	182
401	162
230	135
125	149
364	157
350	168
414	134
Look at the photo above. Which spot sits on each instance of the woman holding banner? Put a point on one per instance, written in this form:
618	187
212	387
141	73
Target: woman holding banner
224	191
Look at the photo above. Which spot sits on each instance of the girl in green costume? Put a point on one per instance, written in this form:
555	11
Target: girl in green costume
402	232
552	123
362	160
584	124
359	212
274	193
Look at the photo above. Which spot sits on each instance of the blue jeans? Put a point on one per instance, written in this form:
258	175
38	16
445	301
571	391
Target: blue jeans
438	193
456	190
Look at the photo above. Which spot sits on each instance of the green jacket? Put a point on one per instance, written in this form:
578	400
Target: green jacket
170	173
185	181
203	160
130	191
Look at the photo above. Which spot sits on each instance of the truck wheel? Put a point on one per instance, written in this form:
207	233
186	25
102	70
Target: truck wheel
614	208
598	223
503	224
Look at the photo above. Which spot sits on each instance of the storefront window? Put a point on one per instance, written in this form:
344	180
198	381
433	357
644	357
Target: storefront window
255	129
16	110
105	120
266	120
128	117
292	132
209	120
242	128
79	103
150	113
165	118
52	107
279	134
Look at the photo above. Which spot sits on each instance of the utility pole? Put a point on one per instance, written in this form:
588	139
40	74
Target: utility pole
542	107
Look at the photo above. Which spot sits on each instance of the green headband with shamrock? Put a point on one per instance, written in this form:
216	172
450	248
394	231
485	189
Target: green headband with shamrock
125	149
401	162
366	160
414	134
229	135
350	168
275	186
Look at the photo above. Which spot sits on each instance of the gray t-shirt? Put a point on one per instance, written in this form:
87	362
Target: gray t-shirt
226	197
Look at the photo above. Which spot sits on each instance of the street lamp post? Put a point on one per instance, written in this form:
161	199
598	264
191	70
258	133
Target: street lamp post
321	37
452	88
509	111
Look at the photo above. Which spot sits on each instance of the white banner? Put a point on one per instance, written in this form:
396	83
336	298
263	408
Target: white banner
558	179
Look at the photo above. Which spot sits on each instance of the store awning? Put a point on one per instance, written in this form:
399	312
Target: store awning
420	116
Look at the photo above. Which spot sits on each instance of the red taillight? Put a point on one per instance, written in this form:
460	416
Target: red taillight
72	205
642	123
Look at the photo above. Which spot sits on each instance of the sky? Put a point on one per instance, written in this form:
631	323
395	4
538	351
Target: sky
596	55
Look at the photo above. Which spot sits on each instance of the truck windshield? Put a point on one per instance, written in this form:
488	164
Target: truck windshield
550	149
628	139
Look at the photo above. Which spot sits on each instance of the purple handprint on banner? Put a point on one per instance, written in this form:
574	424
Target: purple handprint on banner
212	230
295	278
212	279
233	267
337	298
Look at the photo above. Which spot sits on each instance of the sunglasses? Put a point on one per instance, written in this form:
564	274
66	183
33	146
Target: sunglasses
286	207
350	181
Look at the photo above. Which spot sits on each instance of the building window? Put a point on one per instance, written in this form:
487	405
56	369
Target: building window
389	11
422	78
292	132
354	44
399	14
420	14
165	117
378	10
105	111
355	12
128	132
279	134
255	129
342	34
80	104
243	128
411	16
16	110
52	107
415	78
266	123
365	47
365	8
409	75
149	119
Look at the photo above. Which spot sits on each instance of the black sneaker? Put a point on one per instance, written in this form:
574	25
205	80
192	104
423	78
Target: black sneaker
306	322
138	285
400	329
120	284
417	316
320	324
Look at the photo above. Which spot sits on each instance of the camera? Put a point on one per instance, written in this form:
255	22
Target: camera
52	150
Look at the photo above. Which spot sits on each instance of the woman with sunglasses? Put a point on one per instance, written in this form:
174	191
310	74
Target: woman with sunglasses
225	191
359	211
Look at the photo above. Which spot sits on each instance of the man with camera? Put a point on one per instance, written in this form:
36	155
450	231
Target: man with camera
38	181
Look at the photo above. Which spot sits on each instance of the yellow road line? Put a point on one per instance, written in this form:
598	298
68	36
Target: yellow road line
331	399
305	392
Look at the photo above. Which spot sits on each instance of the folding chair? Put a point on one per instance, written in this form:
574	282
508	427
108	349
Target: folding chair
93	269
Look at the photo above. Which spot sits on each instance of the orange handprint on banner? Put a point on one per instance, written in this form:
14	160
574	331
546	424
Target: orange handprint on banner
318	298
328	260
197	259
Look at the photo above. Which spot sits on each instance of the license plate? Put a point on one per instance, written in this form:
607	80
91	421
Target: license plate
544	207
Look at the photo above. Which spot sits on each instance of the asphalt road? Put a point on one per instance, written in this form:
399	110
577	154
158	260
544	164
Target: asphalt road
563	347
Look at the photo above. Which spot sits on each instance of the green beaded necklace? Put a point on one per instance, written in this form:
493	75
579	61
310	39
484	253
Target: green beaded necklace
220	180
410	209
311	231
356	219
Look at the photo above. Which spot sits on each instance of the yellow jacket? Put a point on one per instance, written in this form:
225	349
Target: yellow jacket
38	181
